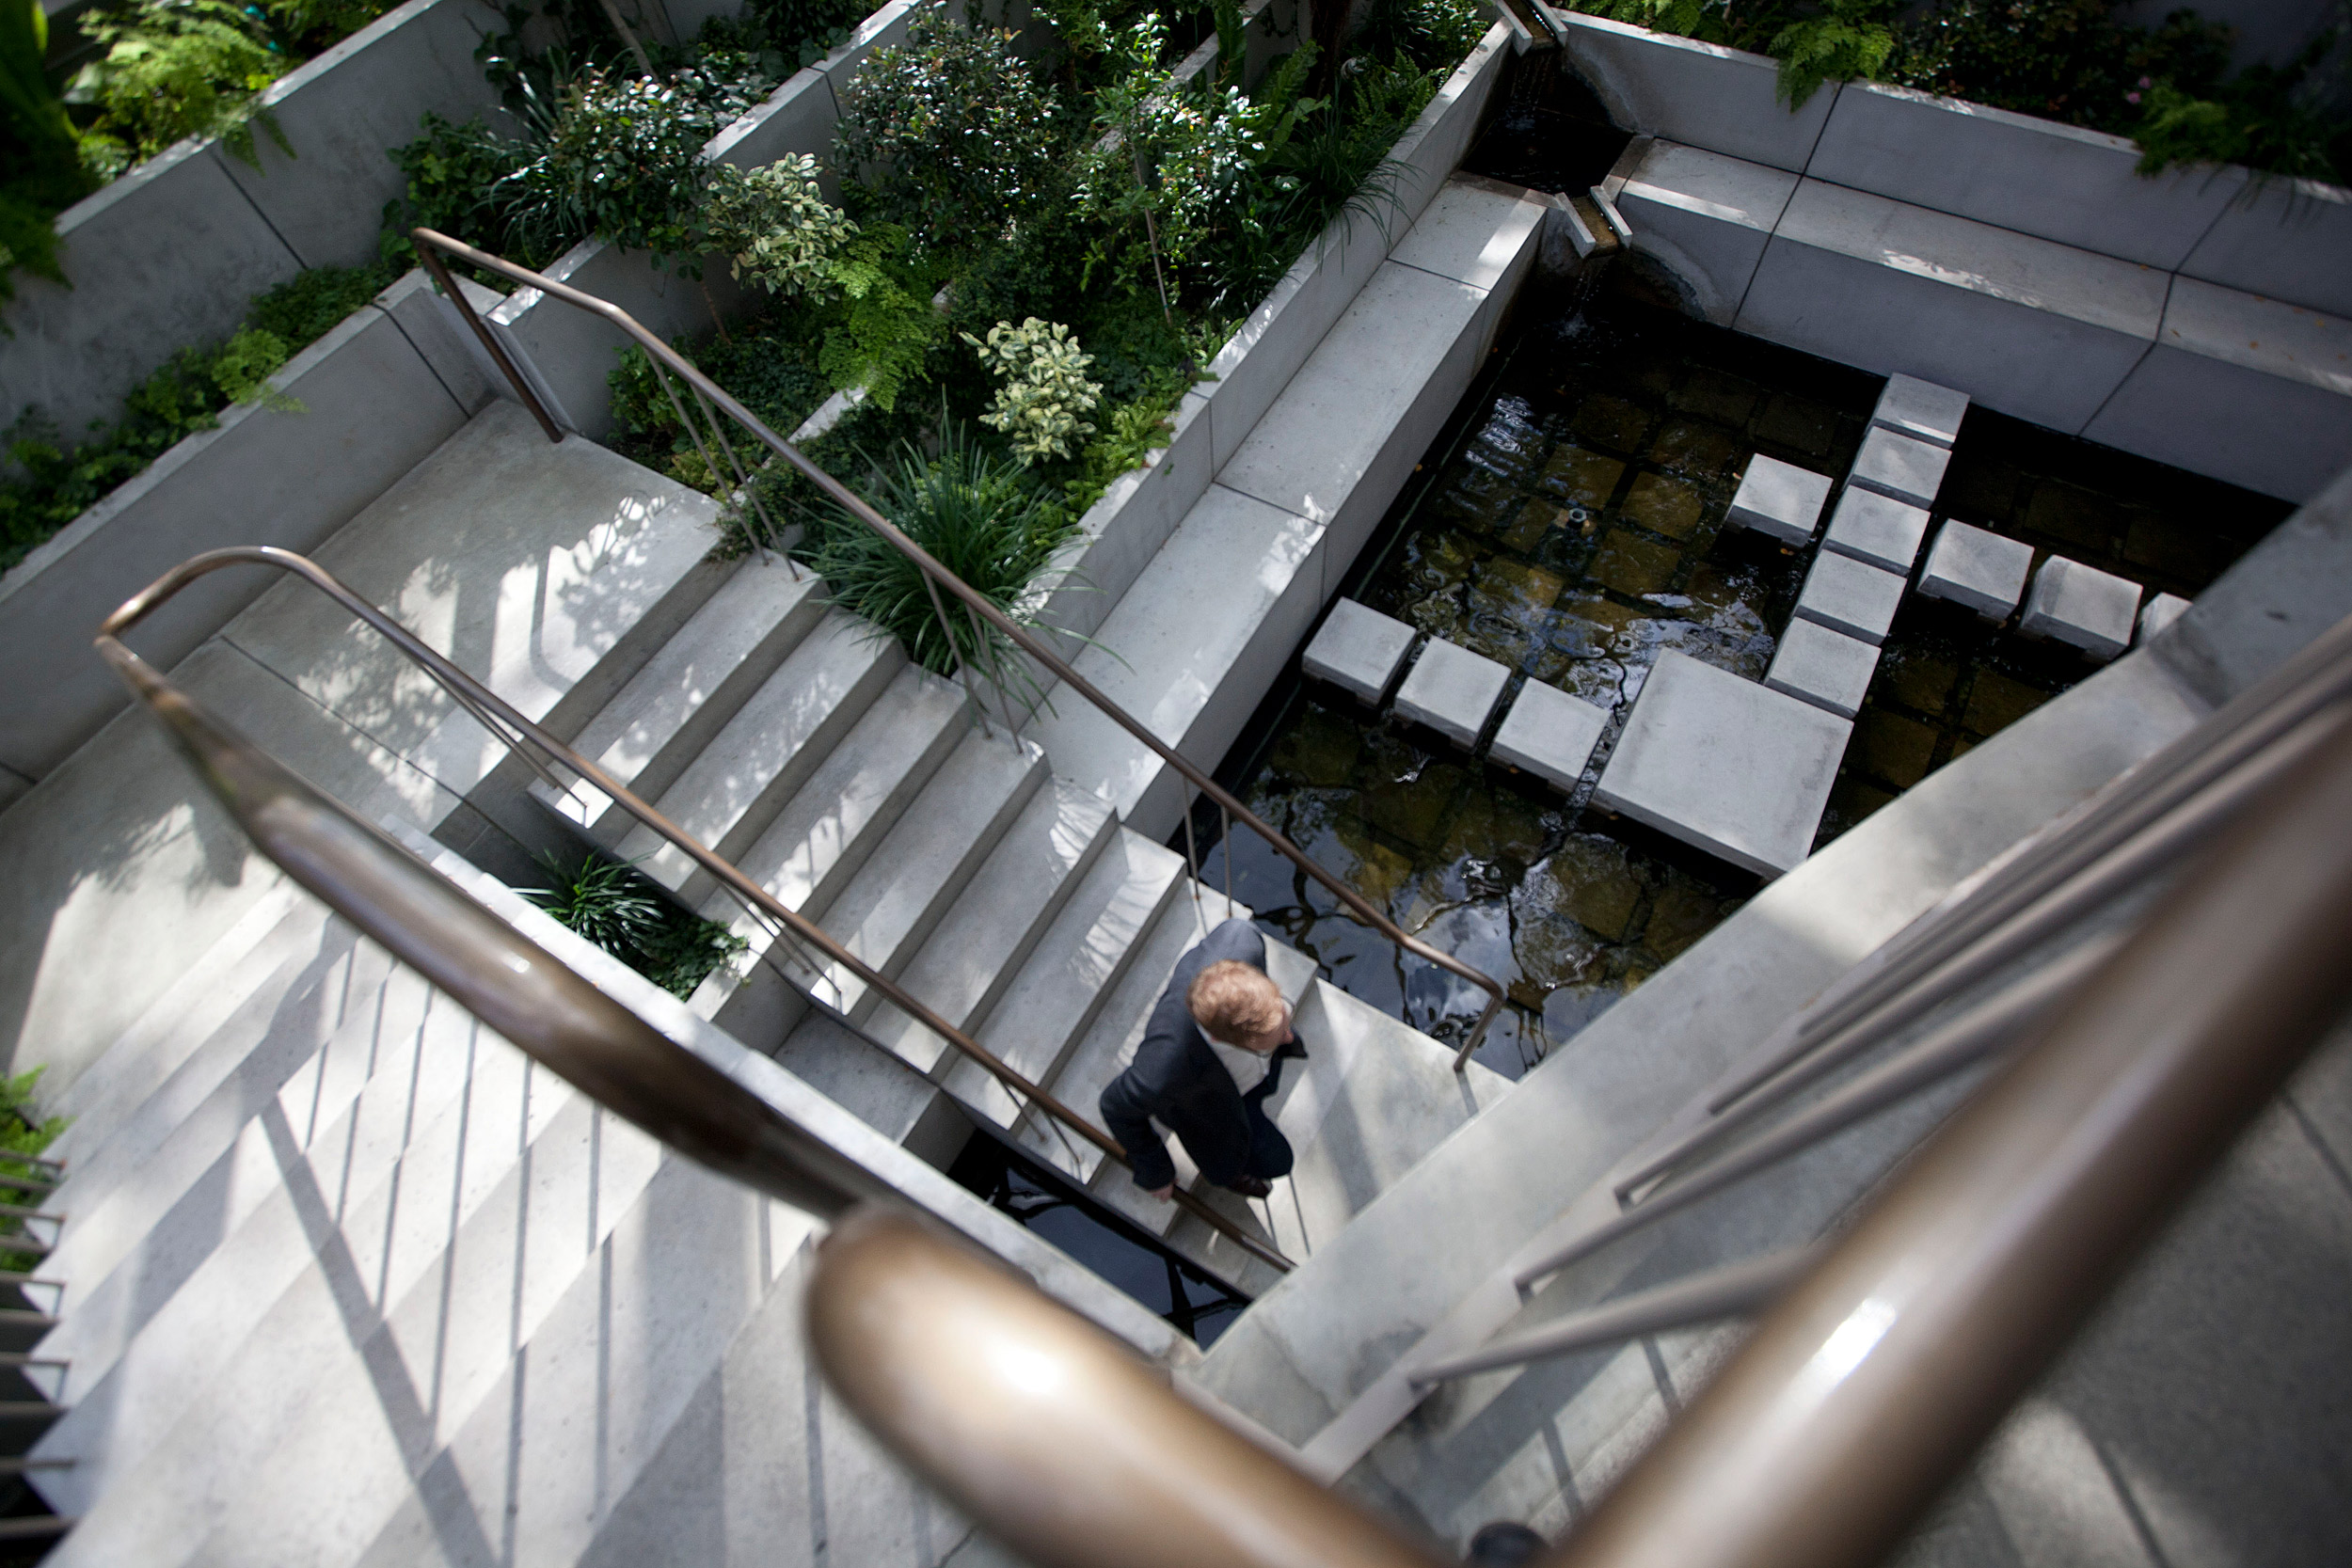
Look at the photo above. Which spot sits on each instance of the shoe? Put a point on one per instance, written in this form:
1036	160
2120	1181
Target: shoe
1251	1186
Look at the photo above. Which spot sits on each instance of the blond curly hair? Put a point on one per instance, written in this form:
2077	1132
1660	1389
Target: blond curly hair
1235	1002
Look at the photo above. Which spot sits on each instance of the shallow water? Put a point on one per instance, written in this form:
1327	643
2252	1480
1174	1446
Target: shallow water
1572	526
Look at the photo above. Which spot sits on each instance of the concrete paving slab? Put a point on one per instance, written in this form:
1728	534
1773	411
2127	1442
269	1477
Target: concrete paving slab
1977	568
1825	668
1452	690
1901	466
2081	605
1550	734
1781	500
1358	650
1851	596
1877	529
1725	764
2161	612
1911	406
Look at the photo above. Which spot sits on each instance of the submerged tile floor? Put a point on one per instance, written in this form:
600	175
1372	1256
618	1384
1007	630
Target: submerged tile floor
1572	526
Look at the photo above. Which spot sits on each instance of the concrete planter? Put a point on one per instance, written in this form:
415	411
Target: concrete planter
380	392
170	254
2281	239
1122	531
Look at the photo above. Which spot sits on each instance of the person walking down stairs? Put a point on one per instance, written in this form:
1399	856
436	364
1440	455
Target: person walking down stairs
1211	1057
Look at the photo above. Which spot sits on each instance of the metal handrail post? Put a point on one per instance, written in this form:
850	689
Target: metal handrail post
476	698
1021	637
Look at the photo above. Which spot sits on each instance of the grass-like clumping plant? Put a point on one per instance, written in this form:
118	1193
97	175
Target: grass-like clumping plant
615	906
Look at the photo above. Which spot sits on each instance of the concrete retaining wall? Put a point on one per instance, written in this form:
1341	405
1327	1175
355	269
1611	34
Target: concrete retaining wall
2198	317
171	254
2285	239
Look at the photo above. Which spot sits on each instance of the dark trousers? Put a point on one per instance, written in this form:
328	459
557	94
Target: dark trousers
1270	1153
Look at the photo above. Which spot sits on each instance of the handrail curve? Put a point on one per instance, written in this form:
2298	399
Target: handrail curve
936	578
517	733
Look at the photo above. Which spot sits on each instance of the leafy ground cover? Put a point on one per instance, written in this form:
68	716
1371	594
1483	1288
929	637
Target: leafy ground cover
1030	261
2167	86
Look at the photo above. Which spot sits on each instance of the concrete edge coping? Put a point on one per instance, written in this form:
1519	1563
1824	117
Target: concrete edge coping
1324	250
166	467
1047	1266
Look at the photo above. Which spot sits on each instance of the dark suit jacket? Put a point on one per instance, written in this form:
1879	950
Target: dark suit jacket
1177	1078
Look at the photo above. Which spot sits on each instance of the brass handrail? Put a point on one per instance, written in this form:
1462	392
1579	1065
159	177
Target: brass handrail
936	578
517	732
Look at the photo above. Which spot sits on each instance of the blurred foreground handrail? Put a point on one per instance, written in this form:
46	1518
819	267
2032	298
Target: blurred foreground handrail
937	578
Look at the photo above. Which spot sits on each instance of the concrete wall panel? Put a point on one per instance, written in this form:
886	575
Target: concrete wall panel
166	255
343	110
1696	93
2289	239
2280	438
1704	217
2059	181
2035	364
371	410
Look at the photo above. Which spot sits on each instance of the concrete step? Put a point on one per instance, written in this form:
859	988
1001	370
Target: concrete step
898	897
323	972
556	1416
375	1194
365	1366
894	900
154	1044
673	707
969	961
823	834
729	793
1060	991
764	1467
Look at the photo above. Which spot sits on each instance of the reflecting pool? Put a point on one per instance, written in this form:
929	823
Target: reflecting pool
1570	525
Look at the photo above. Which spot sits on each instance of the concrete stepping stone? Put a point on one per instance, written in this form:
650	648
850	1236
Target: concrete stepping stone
1825	668
2161	612
1550	734
1851	596
1452	690
1977	568
2081	606
1780	500
1877	529
1914	407
1732	767
1901	466
1358	650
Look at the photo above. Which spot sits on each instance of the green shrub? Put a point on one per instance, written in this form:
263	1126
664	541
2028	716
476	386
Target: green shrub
174	69
958	140
42	171
22	1131
618	908
774	225
980	515
1043	396
1849	40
